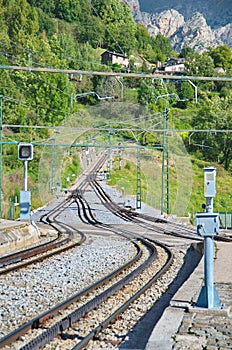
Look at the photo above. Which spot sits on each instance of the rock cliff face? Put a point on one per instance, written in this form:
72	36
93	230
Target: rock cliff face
194	32
217	13
166	23
225	34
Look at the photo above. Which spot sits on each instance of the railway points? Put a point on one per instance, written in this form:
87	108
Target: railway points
172	321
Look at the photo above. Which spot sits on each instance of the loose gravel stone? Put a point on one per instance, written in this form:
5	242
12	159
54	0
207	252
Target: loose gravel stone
32	290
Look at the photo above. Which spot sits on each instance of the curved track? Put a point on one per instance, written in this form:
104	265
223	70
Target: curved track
142	261
65	240
60	326
64	317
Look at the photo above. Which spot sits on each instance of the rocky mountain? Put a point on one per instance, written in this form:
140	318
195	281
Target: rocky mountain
217	13
183	31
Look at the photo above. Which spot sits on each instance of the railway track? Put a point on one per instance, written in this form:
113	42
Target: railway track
65	234
60	326
67	238
156	224
87	314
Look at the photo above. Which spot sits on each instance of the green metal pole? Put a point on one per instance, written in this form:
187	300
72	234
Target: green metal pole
12	208
138	182
1	96
87	148
53	186
109	156
119	156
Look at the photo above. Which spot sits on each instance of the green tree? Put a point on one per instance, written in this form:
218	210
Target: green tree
163	45
200	65
214	146
186	52
48	7
46	24
120	26
22	18
222	57
146	92
86	30
142	36
185	92
68	10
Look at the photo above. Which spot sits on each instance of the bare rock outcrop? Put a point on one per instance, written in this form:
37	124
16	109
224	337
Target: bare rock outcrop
165	23
224	34
194	32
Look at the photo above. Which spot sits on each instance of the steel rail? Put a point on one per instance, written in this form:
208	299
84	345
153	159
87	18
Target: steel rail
186	231
53	247
177	225
104	324
87	212
56	329
59	327
35	323
69	320
135	217
32	251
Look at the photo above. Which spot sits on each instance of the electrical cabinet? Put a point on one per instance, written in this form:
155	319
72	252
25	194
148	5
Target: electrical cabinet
207	224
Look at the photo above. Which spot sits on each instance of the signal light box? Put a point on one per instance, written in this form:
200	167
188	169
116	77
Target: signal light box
210	181
25	151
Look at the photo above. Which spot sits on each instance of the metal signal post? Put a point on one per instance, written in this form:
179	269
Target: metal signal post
208	227
25	153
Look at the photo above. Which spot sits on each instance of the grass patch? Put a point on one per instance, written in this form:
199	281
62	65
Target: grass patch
186	190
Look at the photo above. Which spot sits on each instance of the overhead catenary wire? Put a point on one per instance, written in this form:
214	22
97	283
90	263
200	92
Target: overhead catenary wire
118	129
32	53
116	74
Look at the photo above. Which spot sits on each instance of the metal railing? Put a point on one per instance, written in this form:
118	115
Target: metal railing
225	220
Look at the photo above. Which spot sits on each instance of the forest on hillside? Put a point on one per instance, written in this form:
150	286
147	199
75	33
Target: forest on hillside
72	34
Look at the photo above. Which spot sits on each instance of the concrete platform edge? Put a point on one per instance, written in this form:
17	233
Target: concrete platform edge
162	337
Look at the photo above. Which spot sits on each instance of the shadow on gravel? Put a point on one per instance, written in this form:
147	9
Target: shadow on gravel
140	334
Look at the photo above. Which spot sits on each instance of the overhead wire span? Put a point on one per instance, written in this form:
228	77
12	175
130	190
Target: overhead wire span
116	74
118	129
